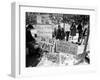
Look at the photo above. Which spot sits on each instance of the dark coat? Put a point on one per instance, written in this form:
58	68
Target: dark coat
73	30
58	36
29	37
79	28
62	34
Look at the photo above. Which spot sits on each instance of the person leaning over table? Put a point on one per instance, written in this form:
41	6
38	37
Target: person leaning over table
34	51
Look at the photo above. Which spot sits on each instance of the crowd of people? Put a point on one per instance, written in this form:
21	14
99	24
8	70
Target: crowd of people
66	27
59	34
62	34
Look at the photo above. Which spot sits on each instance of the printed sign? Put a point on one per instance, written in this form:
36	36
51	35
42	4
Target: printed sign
66	47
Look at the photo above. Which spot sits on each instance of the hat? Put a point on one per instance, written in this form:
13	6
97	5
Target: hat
30	27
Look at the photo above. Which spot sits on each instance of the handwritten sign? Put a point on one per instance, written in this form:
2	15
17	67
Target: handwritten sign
46	43
66	47
44	30
53	57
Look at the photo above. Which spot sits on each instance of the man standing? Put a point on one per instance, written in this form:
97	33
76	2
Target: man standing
73	30
67	31
80	31
58	33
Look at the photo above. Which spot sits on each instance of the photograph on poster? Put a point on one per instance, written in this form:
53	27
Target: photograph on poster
55	39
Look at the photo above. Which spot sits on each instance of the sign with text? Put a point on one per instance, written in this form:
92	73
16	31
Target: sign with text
53	57
46	43
66	47
44	30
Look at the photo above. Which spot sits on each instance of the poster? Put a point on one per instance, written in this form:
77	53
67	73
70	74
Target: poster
66	47
57	39
46	43
44	30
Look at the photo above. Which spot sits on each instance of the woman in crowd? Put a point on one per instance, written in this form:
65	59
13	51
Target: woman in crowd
62	34
73	30
58	36
80	31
